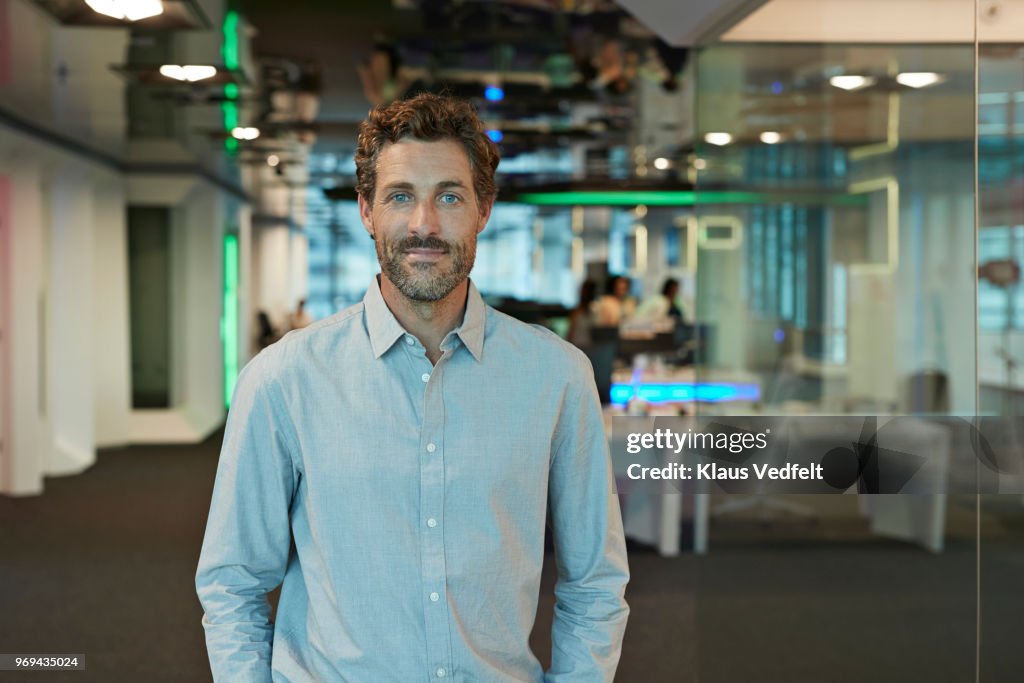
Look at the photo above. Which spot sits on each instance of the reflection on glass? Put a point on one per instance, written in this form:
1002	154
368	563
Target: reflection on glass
848	289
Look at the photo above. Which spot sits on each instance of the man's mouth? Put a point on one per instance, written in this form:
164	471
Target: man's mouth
423	254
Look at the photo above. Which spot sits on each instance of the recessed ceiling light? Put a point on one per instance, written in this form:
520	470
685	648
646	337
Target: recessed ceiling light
245	133
662	164
132	10
718	138
273	160
919	79
189	72
770	137
851	82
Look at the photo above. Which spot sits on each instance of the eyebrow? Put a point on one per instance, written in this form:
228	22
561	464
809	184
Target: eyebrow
443	185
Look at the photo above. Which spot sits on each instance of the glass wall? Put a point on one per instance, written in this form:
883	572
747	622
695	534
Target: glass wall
836	271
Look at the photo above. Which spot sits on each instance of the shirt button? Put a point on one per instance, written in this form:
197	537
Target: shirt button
409	341
434	597
425	377
431	522
441	673
431	448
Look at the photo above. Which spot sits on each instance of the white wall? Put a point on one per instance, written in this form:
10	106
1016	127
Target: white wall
298	267
21	471
272	260
88	100
66	353
111	333
70	322
197	312
31	63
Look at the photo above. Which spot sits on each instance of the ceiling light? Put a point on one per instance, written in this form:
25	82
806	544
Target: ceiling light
189	72
718	138
851	82
132	10
273	160
494	94
246	133
770	137
495	135
919	79
662	164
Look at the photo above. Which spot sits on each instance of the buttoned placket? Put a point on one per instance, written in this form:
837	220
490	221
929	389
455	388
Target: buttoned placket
432	493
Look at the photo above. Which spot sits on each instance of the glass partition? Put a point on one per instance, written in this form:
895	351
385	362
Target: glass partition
836	272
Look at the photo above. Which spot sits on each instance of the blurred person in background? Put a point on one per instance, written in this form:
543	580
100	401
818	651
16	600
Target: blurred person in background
300	317
581	317
266	334
616	305
663	306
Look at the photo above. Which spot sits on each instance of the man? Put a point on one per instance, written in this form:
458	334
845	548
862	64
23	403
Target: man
395	464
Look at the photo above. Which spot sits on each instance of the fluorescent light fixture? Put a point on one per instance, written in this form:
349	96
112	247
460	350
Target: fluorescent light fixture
662	164
189	72
770	137
273	160
245	133
685	198
132	10
919	79
851	82
719	139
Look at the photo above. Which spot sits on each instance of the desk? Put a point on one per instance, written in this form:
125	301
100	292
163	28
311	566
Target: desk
680	386
917	515
654	519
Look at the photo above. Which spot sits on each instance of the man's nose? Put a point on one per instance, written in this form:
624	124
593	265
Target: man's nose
424	219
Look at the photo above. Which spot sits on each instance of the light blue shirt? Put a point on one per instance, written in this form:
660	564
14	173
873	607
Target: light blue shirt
403	505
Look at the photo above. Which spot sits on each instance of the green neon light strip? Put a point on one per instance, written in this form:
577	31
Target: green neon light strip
684	198
229	52
229	321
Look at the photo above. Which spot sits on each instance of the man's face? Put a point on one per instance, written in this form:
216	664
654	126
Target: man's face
425	217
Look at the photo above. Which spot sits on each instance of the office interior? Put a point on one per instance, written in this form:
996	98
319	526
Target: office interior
836	186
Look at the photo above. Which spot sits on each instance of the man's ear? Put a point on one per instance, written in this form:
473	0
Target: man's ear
485	215
366	215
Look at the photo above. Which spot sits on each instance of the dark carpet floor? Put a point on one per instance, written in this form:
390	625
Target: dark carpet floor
103	563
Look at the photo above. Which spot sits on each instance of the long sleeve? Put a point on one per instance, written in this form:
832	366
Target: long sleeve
245	550
590	610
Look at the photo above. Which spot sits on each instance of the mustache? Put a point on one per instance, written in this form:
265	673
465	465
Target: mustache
434	243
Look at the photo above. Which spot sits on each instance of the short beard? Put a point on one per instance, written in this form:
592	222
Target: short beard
417	281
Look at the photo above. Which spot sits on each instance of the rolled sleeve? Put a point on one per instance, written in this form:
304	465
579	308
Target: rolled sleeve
245	549
590	608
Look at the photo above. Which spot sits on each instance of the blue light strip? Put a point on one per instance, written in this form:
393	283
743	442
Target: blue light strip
707	392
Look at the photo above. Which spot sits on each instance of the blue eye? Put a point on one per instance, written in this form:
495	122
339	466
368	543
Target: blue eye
400	197
449	198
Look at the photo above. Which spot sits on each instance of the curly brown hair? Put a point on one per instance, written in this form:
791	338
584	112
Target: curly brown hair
427	117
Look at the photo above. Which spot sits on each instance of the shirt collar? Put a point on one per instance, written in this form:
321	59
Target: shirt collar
384	329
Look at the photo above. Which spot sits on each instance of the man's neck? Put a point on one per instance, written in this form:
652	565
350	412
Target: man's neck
428	321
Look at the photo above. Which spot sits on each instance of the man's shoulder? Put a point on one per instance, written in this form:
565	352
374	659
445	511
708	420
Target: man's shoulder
533	342
296	346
